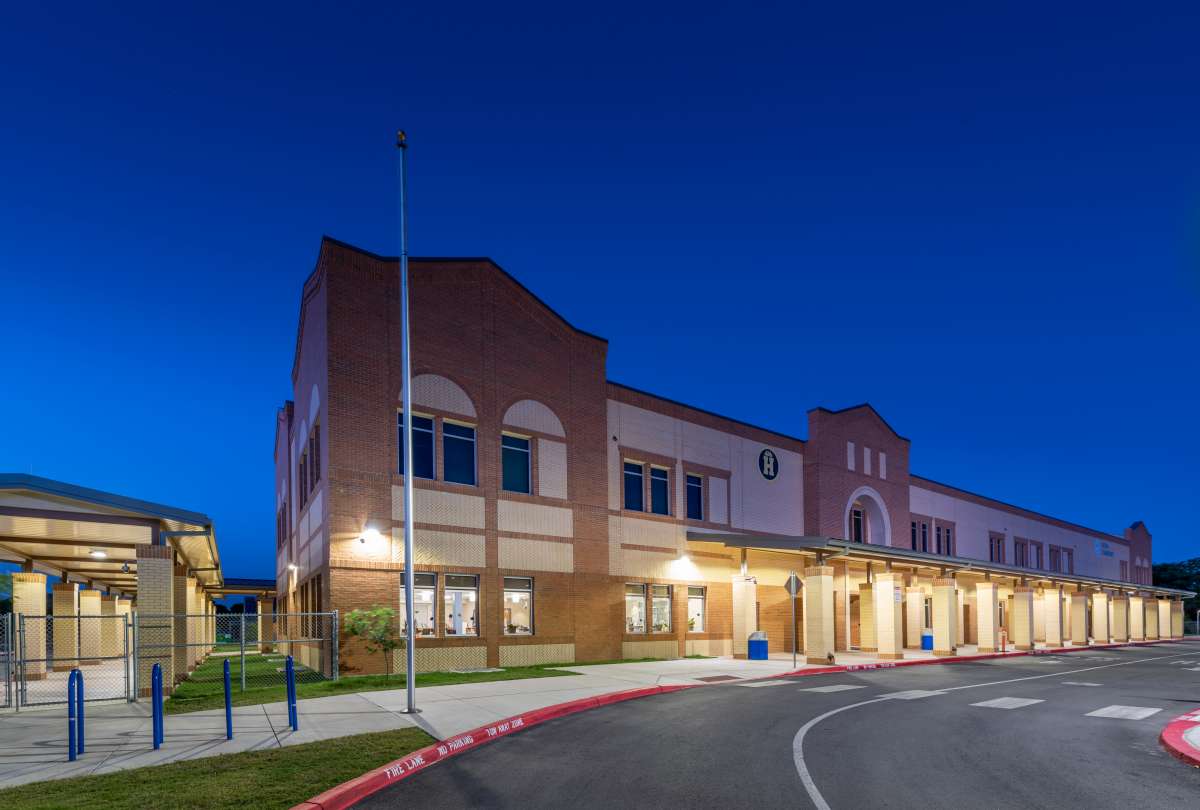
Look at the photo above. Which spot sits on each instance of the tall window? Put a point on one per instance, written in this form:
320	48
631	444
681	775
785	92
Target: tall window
518	606
1055	558
695	497
660	608
695	609
422	429
924	536
1124	570
1069	556
928	612
914	535
314	457
949	541
659	497
461	604
424	599
1020	553
515	464
856	525
634	487
996	548
1035	554
635	608
458	453
937	532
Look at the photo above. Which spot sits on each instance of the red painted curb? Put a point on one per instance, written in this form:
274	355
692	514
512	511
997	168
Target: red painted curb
348	793
1172	739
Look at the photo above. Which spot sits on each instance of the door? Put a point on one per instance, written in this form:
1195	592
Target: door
855	627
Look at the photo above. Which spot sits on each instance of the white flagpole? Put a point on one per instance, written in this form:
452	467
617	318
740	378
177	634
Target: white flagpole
406	363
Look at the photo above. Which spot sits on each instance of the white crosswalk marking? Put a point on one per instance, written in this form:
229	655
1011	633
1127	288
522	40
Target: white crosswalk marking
839	687
912	694
1193	669
762	683
1124	712
1080	683
1007	703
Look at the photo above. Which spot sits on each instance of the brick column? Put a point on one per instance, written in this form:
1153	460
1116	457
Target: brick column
124	610
1021	620
267	637
1039	617
90	625
155	604
866	618
914	616
1176	618
1152	629
109	629
961	625
818	614
1137	618
179	605
1164	618
1052	618
745	597
29	600
1120	617
65	598
945	617
985	616
1079	611
1100	628
889	623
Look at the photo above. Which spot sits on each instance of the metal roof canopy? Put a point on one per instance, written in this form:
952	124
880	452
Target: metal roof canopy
844	548
81	533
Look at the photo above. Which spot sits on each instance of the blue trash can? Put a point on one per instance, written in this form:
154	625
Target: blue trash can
927	641
757	646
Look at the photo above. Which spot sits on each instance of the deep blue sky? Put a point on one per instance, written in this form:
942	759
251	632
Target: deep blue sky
984	223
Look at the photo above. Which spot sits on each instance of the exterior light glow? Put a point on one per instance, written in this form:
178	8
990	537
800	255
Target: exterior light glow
98	553
292	567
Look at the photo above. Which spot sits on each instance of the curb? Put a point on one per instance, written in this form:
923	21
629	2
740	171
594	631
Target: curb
1173	741
348	793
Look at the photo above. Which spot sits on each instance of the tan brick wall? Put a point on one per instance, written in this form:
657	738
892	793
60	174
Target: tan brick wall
945	617
1079	612
818	613
1100	628
90	626
522	655
1120	614
988	631
1021	618
866	617
889	621
1137	618
155	604
65	597
29	599
1052	616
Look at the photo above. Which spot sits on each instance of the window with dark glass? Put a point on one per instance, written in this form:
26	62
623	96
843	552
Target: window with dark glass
515	464
422	430
949	541
458	453
937	538
856	525
695	497
634	493
518	606
914	535
925	537
659	501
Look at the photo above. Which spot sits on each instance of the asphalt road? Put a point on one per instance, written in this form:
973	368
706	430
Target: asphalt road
866	746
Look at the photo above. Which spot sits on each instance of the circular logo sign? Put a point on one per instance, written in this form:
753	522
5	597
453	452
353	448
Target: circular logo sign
768	464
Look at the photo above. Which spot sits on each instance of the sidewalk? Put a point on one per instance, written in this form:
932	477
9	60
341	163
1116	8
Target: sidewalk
33	744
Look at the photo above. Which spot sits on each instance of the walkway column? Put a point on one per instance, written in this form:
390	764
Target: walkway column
1120	617
945	617
1152	630
109	632
985	616
1164	618
1100	630
29	600
1052	615
1079	611
1021	620
866	618
914	611
1137	618
179	609
1039	617
65	596
745	597
124	610
960	599
889	624
90	625
1176	618
818	614
155	606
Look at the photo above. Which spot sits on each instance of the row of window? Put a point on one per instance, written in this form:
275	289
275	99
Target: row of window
460	605
1028	554
310	466
942	537
459	456
636	475
654	601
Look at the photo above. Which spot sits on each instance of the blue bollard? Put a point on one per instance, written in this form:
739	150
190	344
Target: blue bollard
71	743
79	708
293	716
228	705
156	704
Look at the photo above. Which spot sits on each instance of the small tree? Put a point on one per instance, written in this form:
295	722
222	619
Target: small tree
377	628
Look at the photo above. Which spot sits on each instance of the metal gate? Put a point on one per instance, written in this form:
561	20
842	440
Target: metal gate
47	648
7	659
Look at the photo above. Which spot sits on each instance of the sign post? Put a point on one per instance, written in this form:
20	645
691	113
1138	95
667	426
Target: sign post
793	588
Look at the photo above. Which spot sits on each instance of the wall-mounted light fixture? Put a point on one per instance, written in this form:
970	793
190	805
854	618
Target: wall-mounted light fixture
292	567
370	535
98	553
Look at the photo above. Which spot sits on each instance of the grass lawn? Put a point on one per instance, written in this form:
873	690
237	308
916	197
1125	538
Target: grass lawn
204	688
278	778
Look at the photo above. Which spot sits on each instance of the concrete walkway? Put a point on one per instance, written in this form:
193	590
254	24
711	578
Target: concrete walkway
33	743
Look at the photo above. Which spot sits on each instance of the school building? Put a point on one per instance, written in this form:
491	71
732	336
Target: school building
560	516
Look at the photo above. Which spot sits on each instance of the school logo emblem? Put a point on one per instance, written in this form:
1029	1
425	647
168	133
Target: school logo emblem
768	464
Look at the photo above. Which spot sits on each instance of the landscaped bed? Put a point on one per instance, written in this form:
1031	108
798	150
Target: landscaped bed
280	777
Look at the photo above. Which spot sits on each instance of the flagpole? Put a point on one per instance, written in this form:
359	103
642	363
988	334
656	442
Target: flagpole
406	471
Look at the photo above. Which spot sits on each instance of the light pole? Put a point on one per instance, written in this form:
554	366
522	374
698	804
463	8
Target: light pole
406	371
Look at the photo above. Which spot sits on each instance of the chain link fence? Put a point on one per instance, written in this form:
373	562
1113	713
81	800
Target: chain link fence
7	659
49	647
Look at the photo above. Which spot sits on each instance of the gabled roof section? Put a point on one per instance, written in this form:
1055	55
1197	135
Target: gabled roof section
61	489
863	405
